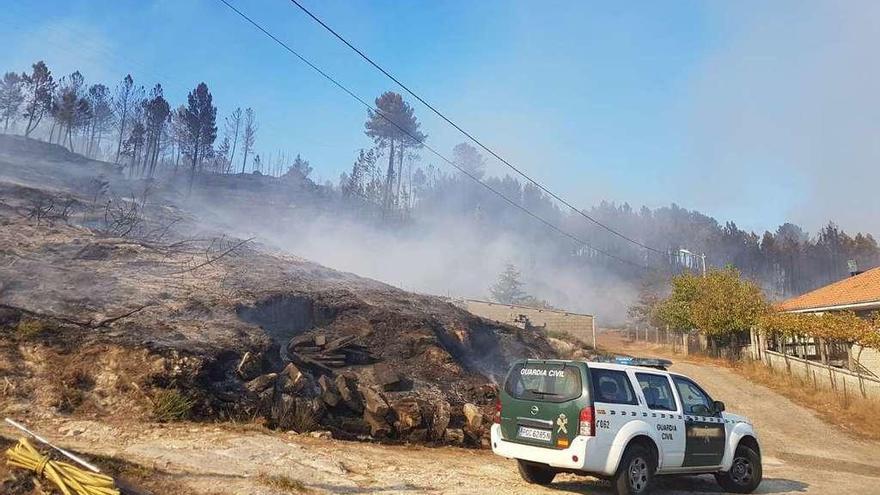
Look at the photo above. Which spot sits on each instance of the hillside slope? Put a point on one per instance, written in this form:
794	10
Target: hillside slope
116	300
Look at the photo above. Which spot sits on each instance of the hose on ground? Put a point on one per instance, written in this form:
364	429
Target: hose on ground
70	479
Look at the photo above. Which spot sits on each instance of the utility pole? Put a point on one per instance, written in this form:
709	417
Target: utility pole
593	320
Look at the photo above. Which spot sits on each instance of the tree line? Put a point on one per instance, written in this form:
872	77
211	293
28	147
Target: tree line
138	129
390	183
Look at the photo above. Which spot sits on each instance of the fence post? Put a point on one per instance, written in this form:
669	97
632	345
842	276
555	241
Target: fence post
845	398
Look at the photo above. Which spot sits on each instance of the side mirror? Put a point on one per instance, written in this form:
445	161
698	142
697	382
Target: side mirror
718	406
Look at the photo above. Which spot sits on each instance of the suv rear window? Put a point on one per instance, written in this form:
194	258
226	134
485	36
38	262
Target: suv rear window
544	382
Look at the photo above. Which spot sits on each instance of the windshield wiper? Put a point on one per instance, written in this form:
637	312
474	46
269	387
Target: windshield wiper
535	391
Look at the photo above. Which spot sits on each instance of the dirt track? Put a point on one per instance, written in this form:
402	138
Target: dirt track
802	454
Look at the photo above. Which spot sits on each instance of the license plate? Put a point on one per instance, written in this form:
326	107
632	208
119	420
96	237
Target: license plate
534	434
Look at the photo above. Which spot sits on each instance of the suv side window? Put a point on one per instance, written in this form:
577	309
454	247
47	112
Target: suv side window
694	400
657	391
612	386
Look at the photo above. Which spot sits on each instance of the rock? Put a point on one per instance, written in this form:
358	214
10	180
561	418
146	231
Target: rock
347	387
473	417
292	380
485	443
439	419
329	392
261	383
418	435
321	434
454	436
249	367
379	427
409	415
388	379
374	402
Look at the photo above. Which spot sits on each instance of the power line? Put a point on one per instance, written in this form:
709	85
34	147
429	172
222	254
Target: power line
470	136
422	142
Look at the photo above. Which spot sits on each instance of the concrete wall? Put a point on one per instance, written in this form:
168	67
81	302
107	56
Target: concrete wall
823	376
869	359
575	324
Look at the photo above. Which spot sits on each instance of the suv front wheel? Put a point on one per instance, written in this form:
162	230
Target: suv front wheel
745	472
635	474
536	473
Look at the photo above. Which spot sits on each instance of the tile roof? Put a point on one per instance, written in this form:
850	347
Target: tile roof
861	288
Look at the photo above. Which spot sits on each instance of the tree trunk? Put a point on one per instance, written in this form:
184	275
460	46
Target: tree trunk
389	179
121	131
244	161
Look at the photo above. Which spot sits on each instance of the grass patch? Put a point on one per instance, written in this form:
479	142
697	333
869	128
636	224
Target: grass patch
171	405
856	414
28	328
283	483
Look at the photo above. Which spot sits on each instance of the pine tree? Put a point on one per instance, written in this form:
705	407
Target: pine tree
38	89
11	97
509	288
200	117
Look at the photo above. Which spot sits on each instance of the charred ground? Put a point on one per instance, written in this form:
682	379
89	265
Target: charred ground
116	300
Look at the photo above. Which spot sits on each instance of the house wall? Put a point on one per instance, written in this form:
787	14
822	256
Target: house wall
577	325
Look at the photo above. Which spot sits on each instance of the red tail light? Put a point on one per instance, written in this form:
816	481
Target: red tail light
497	417
587	422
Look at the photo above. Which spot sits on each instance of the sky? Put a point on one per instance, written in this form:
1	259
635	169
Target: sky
755	112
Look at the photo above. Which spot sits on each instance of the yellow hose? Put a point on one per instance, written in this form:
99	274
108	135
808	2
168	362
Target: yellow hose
67	477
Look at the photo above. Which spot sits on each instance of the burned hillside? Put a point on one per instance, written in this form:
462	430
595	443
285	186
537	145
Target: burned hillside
115	300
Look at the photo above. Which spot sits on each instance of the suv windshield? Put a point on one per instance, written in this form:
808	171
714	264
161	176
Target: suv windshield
544	382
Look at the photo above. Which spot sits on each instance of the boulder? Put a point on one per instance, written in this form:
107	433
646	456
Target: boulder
454	436
418	435
329	392
409	415
261	383
388	379
346	385
374	401
379	427
439	419
473	417
292	380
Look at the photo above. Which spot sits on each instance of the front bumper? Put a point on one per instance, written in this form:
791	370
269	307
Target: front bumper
579	456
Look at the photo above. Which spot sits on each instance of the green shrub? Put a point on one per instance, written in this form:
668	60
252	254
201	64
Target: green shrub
171	405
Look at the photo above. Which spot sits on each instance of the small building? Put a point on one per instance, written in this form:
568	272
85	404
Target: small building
577	325
860	294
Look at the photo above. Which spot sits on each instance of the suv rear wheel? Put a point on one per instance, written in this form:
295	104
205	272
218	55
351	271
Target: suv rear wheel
635	474
537	474
745	472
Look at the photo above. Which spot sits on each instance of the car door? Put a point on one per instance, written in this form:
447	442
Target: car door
665	416
615	402
705	435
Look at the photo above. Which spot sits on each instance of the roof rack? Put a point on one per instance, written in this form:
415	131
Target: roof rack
657	363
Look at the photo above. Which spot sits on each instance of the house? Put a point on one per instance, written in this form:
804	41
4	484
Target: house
860	294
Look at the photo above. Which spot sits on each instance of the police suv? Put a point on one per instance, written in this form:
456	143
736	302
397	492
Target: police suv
627	421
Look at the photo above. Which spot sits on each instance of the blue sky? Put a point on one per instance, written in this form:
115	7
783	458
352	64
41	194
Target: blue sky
755	112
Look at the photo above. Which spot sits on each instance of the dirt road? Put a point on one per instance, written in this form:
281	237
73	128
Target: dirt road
802	454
